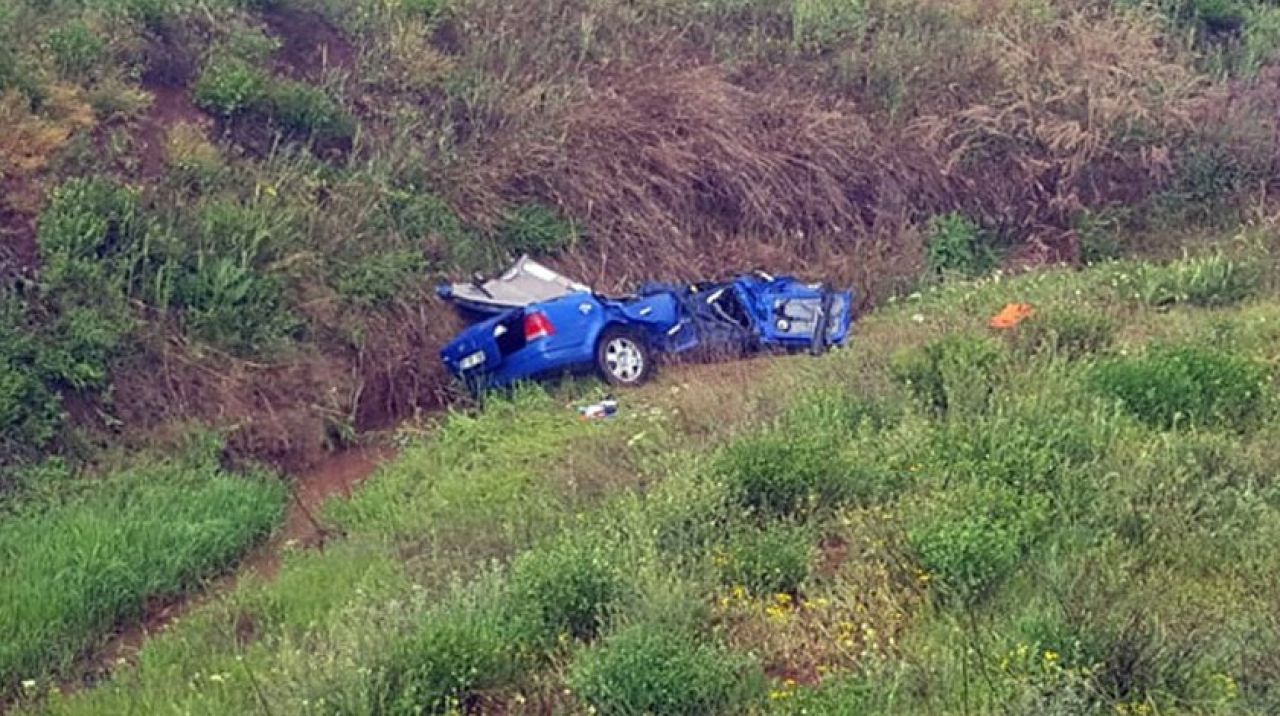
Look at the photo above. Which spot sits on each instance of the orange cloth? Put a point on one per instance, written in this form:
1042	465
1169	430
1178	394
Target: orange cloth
1012	315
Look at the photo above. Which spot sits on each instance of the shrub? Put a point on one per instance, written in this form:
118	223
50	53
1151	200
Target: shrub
233	305
1188	386
88	223
473	642
192	154
302	109
823	24
426	9
1208	281
952	374
76	49
536	229
975	538
1065	333
569	587
30	413
768	561
954	244
647	669
379	279
230	86
775	474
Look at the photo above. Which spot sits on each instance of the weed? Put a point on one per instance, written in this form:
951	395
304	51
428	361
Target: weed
1188	386
569	586
89	224
233	305
426	9
650	669
1100	232
30	411
251	45
76	49
768	561
1213	280
379	279
951	375
192	154
302	109
954	244
536	229
230	86
977	538
778	474
1069	334
823	24
469	644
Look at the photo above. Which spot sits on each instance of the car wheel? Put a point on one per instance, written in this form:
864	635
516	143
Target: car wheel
623	356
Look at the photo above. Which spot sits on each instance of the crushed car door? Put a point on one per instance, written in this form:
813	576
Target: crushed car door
800	315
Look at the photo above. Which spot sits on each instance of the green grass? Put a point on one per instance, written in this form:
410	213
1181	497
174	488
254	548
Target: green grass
1044	549
72	570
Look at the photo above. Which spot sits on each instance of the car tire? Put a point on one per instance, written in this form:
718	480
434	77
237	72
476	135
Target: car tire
623	356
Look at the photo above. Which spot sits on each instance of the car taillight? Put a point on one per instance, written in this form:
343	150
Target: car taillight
537	325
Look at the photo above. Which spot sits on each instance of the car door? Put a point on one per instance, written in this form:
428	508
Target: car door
795	314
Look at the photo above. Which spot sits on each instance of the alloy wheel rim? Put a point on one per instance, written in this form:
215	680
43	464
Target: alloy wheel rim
624	360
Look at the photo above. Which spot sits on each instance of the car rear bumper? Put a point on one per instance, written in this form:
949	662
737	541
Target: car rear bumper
536	360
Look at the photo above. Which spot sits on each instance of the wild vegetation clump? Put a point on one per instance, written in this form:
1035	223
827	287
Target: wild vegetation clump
1189	386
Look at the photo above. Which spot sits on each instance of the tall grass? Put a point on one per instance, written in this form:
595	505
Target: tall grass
73	570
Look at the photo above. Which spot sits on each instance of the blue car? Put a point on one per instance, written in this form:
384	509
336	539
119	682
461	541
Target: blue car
532	323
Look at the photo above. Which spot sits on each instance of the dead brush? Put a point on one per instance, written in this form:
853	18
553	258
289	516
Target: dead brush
1064	130
665	161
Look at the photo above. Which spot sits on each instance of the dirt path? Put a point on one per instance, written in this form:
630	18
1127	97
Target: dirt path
336	476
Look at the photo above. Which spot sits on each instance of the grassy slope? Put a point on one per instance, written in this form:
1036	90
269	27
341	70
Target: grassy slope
1038	548
72	569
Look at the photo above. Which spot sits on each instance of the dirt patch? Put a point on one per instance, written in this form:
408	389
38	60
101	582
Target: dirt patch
833	553
310	44
170	105
19	254
334	476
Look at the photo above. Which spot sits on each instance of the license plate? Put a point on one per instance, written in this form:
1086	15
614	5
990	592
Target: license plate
471	361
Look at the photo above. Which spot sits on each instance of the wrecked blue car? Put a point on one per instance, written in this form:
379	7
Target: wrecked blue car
533	323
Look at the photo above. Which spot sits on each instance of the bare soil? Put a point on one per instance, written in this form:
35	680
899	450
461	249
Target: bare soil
311	45
19	255
171	105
